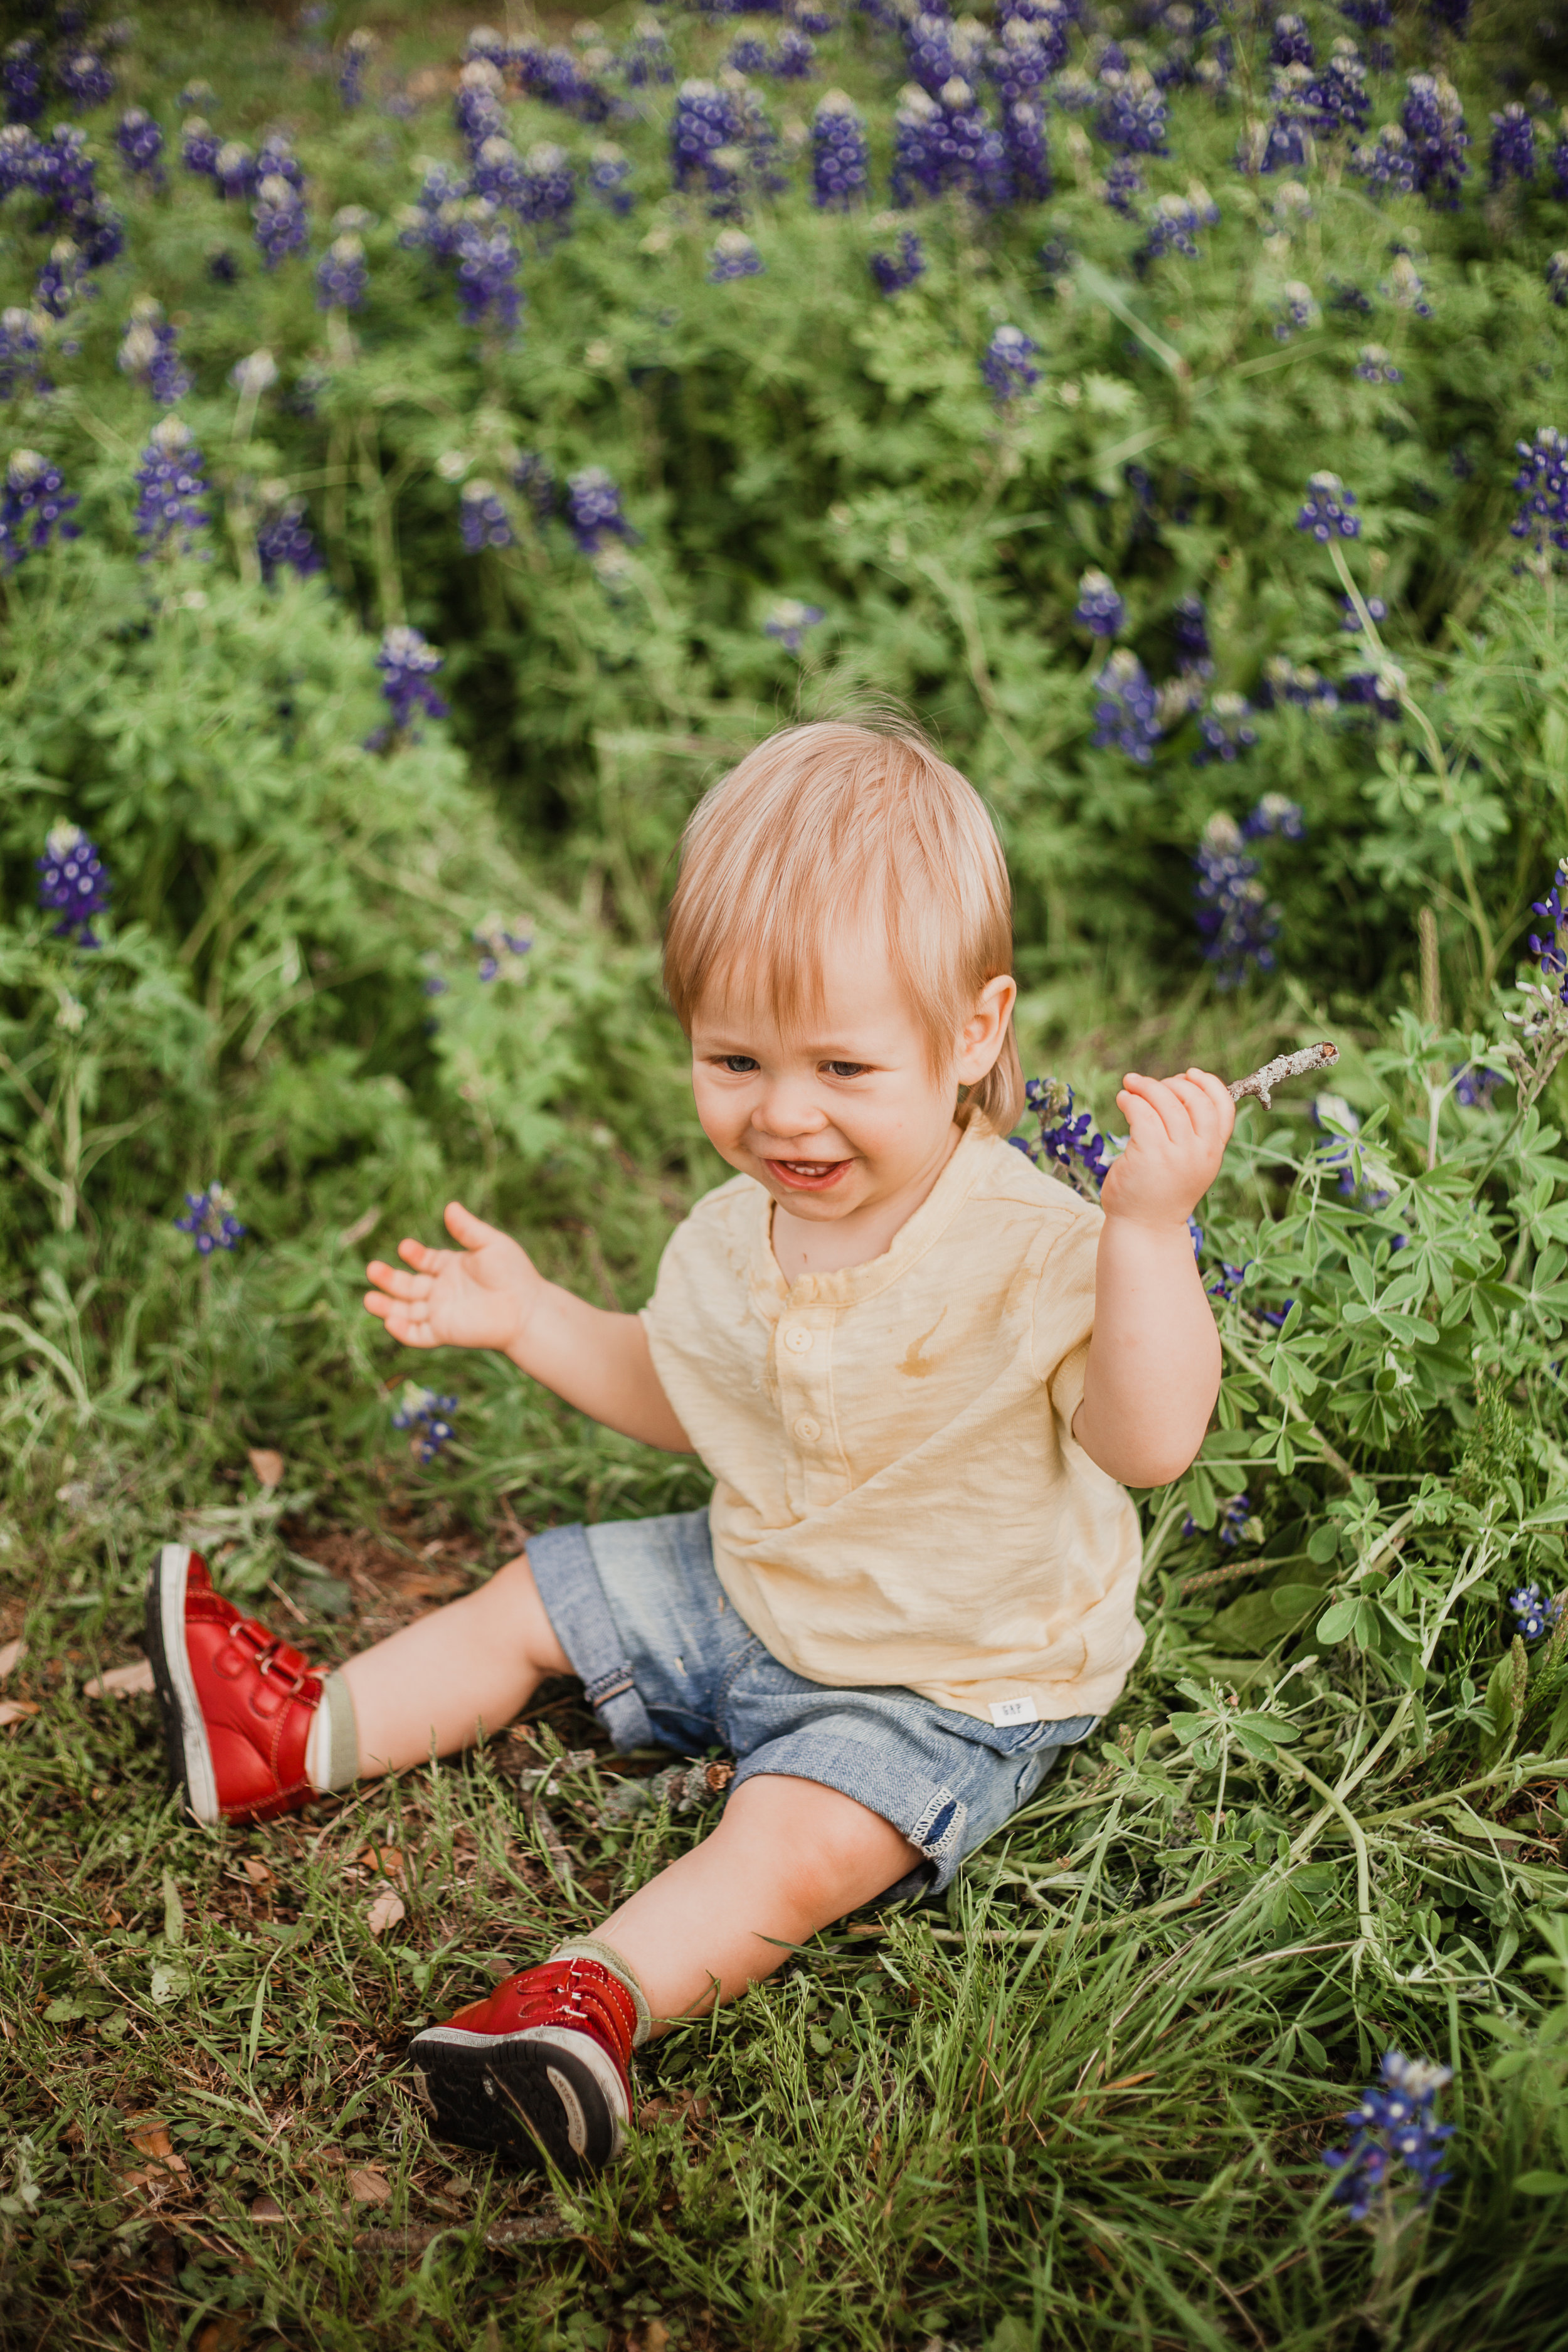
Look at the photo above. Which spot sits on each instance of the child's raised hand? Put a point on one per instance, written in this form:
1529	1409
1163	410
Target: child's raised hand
477	1295
1178	1128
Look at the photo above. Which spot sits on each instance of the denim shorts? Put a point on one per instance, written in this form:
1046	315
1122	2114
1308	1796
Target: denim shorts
667	1660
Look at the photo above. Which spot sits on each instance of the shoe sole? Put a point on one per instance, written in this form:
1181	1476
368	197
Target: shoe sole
190	1758
544	2093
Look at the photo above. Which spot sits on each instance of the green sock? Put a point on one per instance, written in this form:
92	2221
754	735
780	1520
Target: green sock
588	1948
332	1759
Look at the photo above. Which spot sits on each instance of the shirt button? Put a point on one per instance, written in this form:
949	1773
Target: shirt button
808	1430
797	1339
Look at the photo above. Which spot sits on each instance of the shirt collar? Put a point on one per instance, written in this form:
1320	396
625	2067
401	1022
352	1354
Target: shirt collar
850	1284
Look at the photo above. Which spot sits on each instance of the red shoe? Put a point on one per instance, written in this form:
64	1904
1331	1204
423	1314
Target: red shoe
539	2064
237	1702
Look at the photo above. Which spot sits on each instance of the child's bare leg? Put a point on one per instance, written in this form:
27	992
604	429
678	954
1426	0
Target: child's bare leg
788	1858
473	1664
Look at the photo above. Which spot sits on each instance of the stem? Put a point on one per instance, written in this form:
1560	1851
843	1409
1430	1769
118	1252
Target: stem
1362	1862
1335	1459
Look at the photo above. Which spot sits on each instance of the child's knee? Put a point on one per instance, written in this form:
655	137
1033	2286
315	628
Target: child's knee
830	1851
513	1592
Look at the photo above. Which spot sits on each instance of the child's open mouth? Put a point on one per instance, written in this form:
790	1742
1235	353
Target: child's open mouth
807	1175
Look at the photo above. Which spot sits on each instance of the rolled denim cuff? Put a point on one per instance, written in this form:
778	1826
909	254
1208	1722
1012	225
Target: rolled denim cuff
574	1602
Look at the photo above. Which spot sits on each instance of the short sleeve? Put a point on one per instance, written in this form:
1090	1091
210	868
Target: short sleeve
1064	1313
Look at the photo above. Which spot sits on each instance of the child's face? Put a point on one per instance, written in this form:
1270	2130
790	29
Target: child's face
847	1114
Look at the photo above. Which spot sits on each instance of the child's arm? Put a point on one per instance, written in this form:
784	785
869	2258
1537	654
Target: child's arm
1154	1357
488	1293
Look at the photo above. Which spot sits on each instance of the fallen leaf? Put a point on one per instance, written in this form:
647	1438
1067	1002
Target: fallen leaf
225	2334
152	2139
368	2188
385	1859
266	1465
12	1710
11	1655
386	1912
655	2337
257	1872
124	1682
267	2209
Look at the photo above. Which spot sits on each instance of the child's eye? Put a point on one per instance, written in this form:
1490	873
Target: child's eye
846	1069
741	1065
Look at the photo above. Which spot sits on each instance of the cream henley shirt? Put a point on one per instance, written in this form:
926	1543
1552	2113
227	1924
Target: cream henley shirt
898	1496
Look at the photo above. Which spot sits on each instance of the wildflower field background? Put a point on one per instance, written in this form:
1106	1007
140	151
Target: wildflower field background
434	453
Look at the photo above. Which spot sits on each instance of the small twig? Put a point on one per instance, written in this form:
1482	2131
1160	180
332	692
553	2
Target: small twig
1273	1074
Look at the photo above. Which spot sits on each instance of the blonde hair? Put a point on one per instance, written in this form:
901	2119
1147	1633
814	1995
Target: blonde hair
815	826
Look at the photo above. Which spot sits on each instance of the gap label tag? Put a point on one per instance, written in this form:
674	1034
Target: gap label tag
1014	1711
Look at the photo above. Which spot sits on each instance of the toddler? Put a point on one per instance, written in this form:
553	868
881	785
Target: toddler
922	1375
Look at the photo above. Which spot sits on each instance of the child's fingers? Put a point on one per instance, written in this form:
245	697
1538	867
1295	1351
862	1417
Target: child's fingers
1157	1096
398	1284
471	1231
422	1258
1144	1123
1195	1103
1219	1096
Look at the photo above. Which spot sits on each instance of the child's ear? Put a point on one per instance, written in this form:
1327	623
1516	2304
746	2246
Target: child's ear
986	1027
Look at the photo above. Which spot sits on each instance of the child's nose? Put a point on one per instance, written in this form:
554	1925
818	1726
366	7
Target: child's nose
788	1109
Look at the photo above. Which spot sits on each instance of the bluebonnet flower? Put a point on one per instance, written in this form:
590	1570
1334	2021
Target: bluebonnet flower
1235	1517
592	509
502	944
1282	681
173	485
1027	151
946	142
356	57
748	54
1279	147
483	517
648	57
60	279
1275	817
1388	165
1190	633
733	255
283	538
487	260
408	663
1394	2126
1402	286
1366	689
149	353
1514	146
1435	125
608	171
1009	366
1474	1088
235	172
928	50
1549	946
72	883
197	96
1073	90
1067	1145
210	1221
477	108
705	117
1453	15
282	223
1123	181
1292	44
222	266
534	477
1100	609
1326	512
1237	924
1541	482
1557	277
1227	730
1132	117
200	147
85	78
794	58
1228	1282
1126	710
788	621
1370	16
549	189
22	76
1374	365
342	278
840	157
141	145
1173	224
1298	310
893	272
429	1416
814	21
1334	100
22	339
1533	1615
1025	56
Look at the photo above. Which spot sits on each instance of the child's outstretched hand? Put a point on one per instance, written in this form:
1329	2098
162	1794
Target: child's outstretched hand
479	1295
1178	1130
